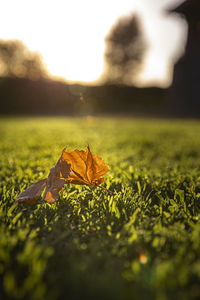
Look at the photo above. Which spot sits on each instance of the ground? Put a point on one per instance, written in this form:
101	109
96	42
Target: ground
137	237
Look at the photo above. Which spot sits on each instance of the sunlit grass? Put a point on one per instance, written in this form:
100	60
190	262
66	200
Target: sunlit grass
139	235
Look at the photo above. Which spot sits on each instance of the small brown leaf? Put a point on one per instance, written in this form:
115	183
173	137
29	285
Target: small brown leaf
86	168
56	179
31	194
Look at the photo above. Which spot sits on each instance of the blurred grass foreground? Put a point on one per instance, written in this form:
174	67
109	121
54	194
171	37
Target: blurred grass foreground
137	238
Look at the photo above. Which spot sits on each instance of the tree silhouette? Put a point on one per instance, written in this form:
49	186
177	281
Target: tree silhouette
124	51
16	60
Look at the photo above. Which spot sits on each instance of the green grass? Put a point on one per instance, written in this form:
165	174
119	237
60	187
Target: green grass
88	245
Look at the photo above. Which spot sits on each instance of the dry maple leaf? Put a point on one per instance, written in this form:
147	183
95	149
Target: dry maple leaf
86	168
77	166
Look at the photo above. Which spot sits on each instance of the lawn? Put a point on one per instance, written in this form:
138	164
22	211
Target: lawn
137	237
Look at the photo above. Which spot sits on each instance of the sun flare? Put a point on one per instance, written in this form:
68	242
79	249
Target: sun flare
70	34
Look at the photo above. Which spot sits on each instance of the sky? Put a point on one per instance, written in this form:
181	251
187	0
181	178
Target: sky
70	35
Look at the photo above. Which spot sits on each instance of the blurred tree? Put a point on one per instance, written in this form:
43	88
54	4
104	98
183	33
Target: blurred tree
16	60
185	88
125	47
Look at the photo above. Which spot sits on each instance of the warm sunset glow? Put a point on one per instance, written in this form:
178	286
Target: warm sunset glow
70	34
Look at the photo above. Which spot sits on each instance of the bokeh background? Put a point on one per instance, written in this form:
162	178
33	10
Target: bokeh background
100	58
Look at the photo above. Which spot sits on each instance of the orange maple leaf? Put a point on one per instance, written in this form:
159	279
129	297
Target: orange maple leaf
86	168
77	166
